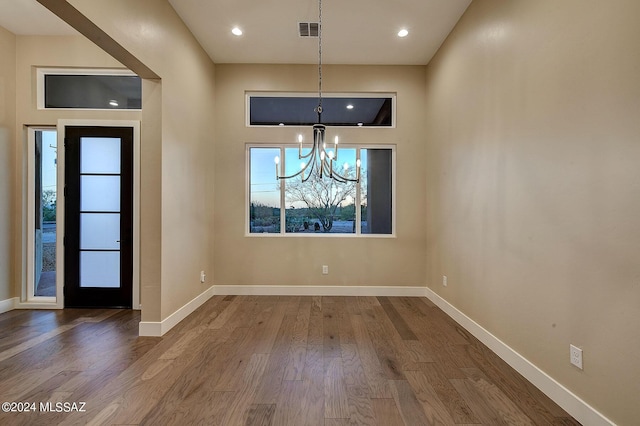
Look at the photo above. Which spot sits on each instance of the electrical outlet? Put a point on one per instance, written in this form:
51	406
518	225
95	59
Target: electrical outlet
203	276
325	269
575	356
444	280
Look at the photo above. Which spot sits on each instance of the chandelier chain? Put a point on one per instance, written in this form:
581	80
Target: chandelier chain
320	160
319	59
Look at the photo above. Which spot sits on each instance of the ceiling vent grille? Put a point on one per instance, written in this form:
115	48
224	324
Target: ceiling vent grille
308	29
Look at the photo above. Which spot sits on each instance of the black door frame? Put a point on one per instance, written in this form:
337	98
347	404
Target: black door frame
135	126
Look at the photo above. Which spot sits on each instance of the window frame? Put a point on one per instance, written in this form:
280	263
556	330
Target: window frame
265	94
42	72
283	234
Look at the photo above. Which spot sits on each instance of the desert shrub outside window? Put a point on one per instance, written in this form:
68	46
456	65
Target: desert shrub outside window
321	207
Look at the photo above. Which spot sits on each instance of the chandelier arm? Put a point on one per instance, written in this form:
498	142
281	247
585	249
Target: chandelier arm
303	169
307	155
291	176
345	179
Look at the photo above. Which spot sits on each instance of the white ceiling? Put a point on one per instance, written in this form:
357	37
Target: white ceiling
354	31
28	17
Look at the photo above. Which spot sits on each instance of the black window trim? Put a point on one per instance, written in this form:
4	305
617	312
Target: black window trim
250	94
44	71
357	234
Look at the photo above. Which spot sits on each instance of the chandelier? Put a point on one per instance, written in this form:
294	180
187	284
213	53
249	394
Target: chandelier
320	160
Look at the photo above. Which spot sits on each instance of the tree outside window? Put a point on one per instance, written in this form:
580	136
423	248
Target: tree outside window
320	205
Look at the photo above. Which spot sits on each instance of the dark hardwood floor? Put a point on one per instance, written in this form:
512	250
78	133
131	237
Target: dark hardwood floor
256	360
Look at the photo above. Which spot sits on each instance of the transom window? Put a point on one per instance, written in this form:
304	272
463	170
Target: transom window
321	206
88	89
360	110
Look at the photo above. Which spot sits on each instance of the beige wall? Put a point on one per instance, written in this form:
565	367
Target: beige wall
534	186
7	152
240	260
39	51
177	138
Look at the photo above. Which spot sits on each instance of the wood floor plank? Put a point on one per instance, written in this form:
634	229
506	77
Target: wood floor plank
330	330
313	381
360	407
368	357
336	405
433	407
454	403
8	353
485	413
529	398
273	360
353	373
398	349
386	412
396	319
382	341
255	339
351	306
501	403
315	335
417	352
150	386
290	407
226	314
298	346
237	412
337	422
260	415
266	335
342	317
274	375
408	405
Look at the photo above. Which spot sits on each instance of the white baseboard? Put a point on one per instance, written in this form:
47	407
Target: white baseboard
283	290
571	403
159	328
8	305
39	303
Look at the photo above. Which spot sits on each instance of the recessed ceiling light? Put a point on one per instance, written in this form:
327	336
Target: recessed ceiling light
236	31
403	33
349	106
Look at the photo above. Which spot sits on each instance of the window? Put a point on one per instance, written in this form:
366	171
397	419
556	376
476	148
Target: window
89	89
361	110
321	207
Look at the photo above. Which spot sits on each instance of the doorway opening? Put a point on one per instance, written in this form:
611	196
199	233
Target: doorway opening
46	197
42	203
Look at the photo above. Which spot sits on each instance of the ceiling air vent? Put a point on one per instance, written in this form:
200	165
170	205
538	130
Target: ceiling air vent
308	29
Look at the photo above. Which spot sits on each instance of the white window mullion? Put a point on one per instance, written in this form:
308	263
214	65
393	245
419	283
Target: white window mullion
357	203
283	219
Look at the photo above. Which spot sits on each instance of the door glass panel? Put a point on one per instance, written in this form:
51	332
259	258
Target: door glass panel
100	269
100	155
100	193
100	231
